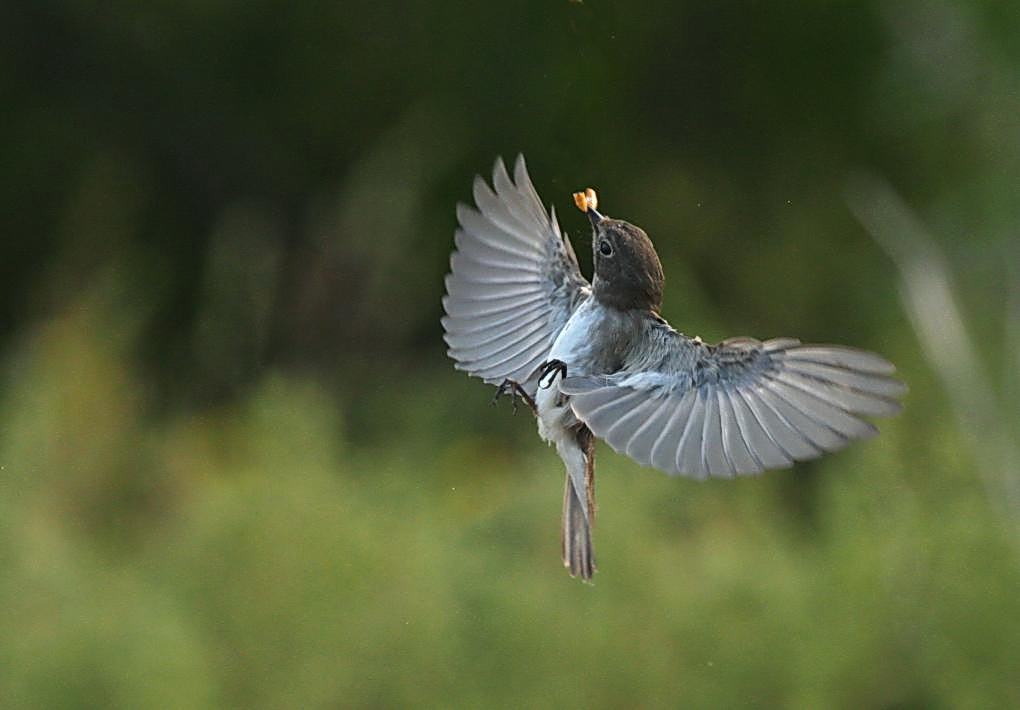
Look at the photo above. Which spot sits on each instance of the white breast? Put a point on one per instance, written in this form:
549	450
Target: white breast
573	347
574	343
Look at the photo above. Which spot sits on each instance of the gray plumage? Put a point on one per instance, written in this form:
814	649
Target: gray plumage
516	300
514	281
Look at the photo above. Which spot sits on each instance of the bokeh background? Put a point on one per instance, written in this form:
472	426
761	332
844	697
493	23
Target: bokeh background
238	470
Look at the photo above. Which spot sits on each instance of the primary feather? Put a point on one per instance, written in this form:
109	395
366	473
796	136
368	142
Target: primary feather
513	281
738	407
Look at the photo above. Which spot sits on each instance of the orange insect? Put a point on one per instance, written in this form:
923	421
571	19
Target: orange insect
586	200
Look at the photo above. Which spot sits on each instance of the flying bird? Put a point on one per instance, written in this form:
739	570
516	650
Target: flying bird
597	360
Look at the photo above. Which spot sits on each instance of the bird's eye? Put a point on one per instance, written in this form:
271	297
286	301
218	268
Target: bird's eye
605	248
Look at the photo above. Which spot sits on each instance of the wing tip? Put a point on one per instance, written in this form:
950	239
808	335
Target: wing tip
499	168
845	356
520	168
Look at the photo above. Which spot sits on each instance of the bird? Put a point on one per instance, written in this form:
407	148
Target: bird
596	360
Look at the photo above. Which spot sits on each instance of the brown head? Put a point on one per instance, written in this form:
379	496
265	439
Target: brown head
628	274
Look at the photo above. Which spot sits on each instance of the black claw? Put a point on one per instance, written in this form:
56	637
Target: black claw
515	390
550	369
504	387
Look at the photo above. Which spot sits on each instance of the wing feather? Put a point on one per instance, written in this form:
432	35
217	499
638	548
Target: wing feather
484	229
810	430
463	311
468	290
623	429
497	256
734	445
494	337
664	451
642	444
713	453
514	352
606	416
491	322
785	433
480	271
877	388
472	351
689	459
821	409
513	281
532	201
740	407
842	356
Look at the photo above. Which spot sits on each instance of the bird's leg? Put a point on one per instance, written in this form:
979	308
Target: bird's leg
515	390
551	368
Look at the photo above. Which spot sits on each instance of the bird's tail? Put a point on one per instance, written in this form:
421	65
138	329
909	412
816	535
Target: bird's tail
579	508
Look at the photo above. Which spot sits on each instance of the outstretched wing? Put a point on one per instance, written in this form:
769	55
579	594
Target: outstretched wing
741	406
514	281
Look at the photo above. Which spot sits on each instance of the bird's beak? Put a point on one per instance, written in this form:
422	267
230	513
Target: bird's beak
586	202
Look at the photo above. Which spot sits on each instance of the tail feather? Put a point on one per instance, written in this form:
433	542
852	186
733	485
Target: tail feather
578	554
579	512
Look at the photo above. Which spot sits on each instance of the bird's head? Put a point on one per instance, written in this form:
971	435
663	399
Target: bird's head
628	274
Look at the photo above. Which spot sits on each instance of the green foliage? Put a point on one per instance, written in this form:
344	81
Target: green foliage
253	555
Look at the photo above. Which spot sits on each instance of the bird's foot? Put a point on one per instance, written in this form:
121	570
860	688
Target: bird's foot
515	390
550	369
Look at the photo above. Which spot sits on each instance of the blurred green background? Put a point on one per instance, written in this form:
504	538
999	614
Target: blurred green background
238	470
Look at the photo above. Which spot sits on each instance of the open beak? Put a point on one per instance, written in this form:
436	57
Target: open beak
595	217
